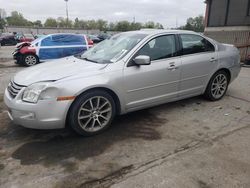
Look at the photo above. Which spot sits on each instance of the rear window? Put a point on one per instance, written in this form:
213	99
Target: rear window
74	40
192	44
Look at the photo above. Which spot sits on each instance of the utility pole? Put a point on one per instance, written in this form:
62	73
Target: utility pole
67	13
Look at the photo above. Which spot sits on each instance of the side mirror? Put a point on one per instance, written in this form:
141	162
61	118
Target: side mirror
142	60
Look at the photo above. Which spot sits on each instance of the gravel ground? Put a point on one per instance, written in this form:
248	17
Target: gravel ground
192	143
6	53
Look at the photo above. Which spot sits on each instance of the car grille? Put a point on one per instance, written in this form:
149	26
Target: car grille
14	89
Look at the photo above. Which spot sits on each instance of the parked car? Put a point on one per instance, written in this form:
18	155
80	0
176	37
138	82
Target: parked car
39	36
94	38
18	36
128	72
8	39
49	47
103	36
27	38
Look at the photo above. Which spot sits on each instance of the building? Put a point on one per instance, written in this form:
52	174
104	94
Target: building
228	21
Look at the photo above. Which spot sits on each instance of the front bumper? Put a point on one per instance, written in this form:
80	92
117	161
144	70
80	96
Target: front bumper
17	56
45	114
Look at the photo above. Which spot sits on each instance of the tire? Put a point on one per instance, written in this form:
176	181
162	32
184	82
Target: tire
30	60
217	86
90	119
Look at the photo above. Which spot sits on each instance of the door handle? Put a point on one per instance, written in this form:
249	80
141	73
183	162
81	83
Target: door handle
212	59
172	66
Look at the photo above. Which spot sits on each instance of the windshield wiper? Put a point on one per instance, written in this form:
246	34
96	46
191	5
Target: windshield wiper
85	58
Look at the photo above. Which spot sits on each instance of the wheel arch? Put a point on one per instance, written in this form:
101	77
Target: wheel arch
225	70
108	90
221	69
29	53
113	95
111	92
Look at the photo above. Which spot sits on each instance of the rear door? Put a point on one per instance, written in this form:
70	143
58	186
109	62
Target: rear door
199	60
74	44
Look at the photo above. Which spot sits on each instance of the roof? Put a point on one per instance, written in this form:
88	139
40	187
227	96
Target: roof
64	34
160	31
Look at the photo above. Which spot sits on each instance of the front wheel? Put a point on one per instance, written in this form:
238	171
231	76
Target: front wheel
92	112
217	86
30	60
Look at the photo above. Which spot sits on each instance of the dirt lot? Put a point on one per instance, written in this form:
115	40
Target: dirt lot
192	143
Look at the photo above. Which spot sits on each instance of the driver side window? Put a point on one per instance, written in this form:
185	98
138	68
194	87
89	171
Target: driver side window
159	48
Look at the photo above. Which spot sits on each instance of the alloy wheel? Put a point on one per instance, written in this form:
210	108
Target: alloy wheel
94	114
30	60
219	86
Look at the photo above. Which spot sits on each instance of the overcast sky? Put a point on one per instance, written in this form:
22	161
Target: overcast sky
167	12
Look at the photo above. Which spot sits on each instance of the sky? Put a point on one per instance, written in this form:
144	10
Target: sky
170	13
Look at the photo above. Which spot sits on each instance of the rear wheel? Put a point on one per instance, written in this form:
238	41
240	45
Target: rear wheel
30	60
217	86
92	112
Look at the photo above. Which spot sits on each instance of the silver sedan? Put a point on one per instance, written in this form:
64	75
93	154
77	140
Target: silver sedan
128	72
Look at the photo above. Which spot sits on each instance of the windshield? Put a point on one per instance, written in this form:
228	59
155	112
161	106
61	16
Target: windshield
113	49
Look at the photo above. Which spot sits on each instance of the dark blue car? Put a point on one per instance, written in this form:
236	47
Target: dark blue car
50	47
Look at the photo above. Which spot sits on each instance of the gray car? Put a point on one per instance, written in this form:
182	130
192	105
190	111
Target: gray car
128	72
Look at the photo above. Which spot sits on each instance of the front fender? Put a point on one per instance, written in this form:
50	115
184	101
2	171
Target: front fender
77	86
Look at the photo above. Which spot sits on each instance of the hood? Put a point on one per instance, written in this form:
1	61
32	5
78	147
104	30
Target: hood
56	70
22	44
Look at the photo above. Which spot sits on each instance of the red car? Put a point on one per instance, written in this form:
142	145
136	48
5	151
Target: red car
27	38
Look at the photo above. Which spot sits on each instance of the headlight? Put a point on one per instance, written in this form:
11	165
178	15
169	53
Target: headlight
31	93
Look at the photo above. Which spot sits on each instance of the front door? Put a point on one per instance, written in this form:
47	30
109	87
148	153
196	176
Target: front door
147	85
51	48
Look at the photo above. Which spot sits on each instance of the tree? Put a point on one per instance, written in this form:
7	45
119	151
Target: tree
91	24
83	24
135	26
101	25
194	24
63	22
122	26
111	26
17	19
76	23
50	22
149	24
37	23
158	26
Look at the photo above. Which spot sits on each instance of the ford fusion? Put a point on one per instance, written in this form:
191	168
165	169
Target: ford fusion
127	72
